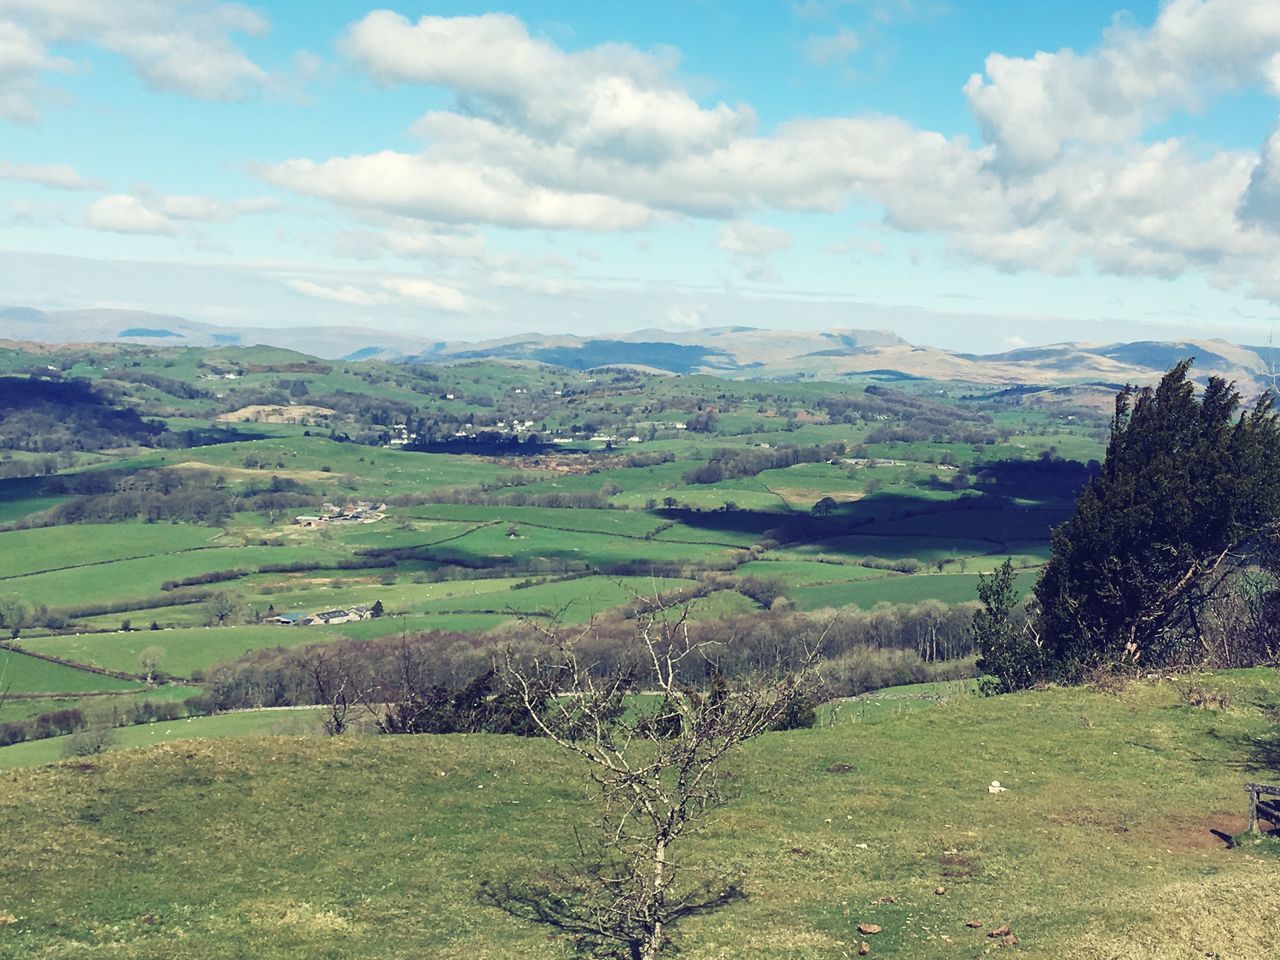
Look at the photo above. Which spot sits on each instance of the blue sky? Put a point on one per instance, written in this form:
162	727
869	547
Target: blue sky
977	175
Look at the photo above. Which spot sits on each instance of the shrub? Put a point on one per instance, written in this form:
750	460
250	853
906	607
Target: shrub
89	742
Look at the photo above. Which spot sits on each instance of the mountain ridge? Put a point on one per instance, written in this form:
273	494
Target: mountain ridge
732	351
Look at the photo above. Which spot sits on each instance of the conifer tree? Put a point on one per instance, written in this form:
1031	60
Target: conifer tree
1190	486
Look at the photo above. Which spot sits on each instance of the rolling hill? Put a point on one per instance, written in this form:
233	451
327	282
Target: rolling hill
733	352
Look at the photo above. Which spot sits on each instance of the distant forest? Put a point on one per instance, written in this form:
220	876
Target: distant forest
46	416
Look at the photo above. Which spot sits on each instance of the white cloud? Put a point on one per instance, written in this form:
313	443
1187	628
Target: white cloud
825	50
353	296
611	99
753	239
1066	179
752	246
409	239
543	286
23	58
453	192
164	215
425	291
122	213
686	316
1260	203
35	213
60	176
1032	108
208	210
390	290
181	46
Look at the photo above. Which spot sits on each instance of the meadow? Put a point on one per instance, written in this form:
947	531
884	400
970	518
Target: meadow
1108	842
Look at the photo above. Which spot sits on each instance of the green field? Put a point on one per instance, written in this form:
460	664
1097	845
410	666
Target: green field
802	572
23	674
572	601
95	705
1106	844
492	531
51	548
242	724
946	587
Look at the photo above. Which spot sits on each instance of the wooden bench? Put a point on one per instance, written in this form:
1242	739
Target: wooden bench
1264	804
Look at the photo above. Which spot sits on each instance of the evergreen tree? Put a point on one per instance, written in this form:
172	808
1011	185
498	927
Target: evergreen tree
1010	654
1189	486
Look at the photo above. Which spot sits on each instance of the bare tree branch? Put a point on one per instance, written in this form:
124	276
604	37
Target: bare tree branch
654	738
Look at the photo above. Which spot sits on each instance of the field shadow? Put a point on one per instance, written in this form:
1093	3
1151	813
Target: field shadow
1032	520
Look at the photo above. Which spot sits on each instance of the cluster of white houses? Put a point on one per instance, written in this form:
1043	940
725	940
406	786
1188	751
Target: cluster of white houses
324	618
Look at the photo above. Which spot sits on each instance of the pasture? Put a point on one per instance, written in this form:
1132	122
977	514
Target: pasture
24	674
854	823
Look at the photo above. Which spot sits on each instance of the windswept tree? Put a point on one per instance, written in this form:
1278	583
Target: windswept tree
1188	493
658	771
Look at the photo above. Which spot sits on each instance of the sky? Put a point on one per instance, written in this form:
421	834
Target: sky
972	174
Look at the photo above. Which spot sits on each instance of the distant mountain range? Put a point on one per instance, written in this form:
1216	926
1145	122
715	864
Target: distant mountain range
1065	370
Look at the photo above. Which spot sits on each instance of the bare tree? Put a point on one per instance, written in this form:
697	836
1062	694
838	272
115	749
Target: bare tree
150	660
334	684
658	771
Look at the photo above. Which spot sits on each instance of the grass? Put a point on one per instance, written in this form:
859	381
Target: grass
186	651
243	723
945	587
804	572
923	548
192	650
375	469
93	704
369	846
50	548
574	601
531	544
141	578
21	673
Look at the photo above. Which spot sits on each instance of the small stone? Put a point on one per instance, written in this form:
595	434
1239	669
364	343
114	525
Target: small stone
7	919
999	932
869	929
864	948
1010	940
940	891
973	924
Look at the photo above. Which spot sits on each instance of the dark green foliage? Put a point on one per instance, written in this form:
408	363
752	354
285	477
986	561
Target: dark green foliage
480	706
735	464
1011	657
46	415
1188	487
763	590
799	714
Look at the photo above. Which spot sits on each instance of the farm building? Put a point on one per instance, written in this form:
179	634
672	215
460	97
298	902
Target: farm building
348	615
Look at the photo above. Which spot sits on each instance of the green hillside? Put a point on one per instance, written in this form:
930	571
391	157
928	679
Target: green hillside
1107	843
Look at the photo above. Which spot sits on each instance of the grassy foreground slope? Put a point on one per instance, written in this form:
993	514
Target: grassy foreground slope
362	846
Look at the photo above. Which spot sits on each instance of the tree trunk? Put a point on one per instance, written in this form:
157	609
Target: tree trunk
653	941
